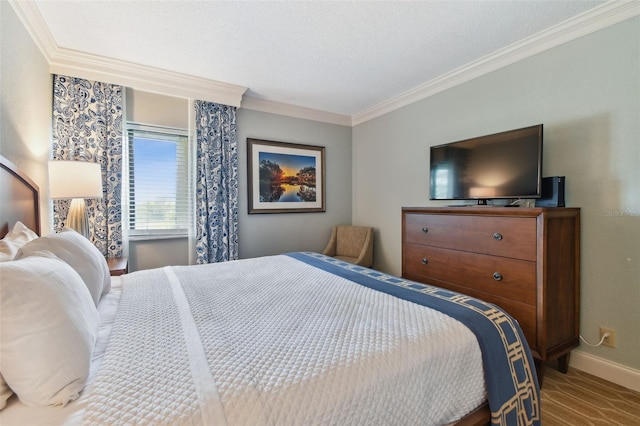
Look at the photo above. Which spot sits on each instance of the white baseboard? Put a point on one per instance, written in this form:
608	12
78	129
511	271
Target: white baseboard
615	373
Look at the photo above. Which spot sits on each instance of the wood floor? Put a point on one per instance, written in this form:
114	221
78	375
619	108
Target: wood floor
580	399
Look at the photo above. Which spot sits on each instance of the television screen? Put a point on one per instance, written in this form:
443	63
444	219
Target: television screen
502	165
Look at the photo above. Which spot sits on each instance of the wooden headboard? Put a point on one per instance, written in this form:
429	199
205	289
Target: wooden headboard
18	199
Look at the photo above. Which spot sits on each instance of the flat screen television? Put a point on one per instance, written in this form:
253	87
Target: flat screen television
504	165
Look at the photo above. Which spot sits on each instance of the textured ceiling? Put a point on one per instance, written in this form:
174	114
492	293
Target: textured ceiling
340	57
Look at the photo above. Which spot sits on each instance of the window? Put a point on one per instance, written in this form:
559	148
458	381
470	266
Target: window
158	181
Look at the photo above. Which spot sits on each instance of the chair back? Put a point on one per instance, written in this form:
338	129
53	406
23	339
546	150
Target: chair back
352	244
351	239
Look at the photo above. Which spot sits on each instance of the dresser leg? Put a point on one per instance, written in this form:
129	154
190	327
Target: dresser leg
563	362
539	370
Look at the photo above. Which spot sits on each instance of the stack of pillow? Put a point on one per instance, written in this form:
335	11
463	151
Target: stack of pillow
49	291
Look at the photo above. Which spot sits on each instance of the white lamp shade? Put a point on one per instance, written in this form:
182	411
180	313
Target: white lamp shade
74	179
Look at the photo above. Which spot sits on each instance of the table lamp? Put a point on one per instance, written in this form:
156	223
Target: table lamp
75	180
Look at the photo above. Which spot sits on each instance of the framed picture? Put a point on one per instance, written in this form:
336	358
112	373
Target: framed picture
285	177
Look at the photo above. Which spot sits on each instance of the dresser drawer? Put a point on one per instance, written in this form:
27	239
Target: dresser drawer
513	237
508	278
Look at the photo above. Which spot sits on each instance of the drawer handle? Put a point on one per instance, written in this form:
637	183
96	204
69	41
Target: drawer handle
497	276
425	229
497	236
425	260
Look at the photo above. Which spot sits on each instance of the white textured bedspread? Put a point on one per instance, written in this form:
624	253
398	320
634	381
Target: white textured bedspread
274	341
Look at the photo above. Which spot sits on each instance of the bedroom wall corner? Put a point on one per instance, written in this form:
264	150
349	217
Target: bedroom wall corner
25	105
269	234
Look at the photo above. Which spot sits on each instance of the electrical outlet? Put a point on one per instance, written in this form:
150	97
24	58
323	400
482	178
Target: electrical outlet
610	340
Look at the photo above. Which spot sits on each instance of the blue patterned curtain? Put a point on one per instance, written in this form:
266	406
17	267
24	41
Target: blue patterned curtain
216	208
87	126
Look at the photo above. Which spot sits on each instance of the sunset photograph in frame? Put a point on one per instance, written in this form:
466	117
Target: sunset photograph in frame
285	177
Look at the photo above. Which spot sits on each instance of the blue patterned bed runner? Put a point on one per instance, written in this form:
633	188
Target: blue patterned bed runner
512	385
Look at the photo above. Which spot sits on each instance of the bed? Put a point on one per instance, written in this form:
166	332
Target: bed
298	338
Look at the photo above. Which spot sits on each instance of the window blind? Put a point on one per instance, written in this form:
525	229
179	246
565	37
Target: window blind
158	181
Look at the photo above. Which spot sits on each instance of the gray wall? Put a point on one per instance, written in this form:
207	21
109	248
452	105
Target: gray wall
151	108
266	234
587	94
25	105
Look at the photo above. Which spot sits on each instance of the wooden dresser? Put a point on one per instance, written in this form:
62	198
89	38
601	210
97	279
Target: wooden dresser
525	260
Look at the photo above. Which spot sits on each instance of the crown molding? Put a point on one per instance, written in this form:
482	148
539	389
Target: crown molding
598	18
95	67
78	64
289	110
142	77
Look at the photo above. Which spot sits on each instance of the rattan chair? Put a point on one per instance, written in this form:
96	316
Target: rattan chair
353	244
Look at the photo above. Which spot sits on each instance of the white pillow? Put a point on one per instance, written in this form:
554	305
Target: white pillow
16	238
78	252
48	327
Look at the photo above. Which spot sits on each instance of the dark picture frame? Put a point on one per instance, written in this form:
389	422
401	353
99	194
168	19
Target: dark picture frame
285	177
